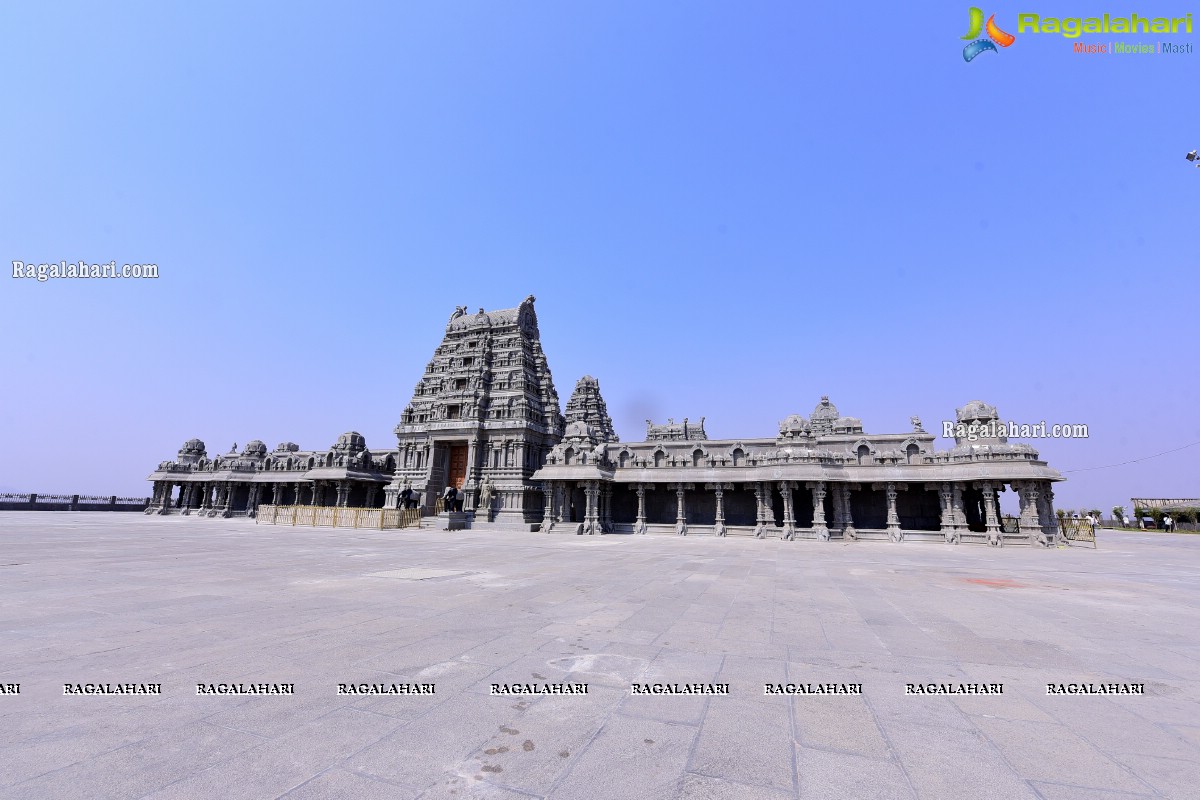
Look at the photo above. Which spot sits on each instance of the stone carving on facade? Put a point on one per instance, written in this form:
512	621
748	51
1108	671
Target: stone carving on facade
487	492
675	432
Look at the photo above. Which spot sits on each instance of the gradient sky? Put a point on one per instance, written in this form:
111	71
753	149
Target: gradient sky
724	209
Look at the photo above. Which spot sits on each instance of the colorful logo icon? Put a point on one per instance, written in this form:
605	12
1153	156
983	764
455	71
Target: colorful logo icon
995	35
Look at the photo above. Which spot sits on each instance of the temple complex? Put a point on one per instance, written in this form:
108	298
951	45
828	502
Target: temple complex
485	417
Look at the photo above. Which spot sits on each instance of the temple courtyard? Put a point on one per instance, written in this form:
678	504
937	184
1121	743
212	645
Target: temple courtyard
771	669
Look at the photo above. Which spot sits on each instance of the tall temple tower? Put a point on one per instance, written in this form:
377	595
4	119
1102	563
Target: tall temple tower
484	411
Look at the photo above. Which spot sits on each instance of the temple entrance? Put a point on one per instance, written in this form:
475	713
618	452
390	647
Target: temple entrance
458	466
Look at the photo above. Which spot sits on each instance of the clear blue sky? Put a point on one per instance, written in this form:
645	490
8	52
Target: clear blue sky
724	209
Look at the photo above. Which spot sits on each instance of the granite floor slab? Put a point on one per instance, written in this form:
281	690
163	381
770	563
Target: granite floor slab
323	640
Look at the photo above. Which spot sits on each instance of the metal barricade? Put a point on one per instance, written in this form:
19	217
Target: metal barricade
1078	530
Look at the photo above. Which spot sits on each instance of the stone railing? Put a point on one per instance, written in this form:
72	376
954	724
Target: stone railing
71	502
337	517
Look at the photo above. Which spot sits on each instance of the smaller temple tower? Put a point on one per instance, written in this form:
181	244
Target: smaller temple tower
587	406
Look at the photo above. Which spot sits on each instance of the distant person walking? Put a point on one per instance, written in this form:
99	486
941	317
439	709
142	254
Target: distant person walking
1168	523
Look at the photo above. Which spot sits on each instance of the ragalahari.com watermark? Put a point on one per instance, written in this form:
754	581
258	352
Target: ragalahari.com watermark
82	269
995	429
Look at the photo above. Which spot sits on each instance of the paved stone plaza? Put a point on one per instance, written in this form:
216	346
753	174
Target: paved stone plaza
181	601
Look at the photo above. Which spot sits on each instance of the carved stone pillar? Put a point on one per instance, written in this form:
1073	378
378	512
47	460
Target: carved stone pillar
680	508
609	525
719	491
893	519
989	510
227	506
640	527
548	512
372	491
1053	534
165	504
818	490
957	512
1029	521
947	522
343	494
848	532
789	517
591	517
761	500
253	499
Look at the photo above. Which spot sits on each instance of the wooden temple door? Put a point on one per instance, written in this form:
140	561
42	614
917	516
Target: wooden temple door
458	466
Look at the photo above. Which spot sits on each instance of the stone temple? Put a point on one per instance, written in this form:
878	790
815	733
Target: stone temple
485	417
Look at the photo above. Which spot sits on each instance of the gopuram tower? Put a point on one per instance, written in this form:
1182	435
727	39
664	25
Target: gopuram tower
482	417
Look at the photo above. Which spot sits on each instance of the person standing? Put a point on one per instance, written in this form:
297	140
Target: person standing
1168	523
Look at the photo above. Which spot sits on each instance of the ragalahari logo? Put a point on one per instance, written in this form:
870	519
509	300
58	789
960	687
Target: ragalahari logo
995	35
